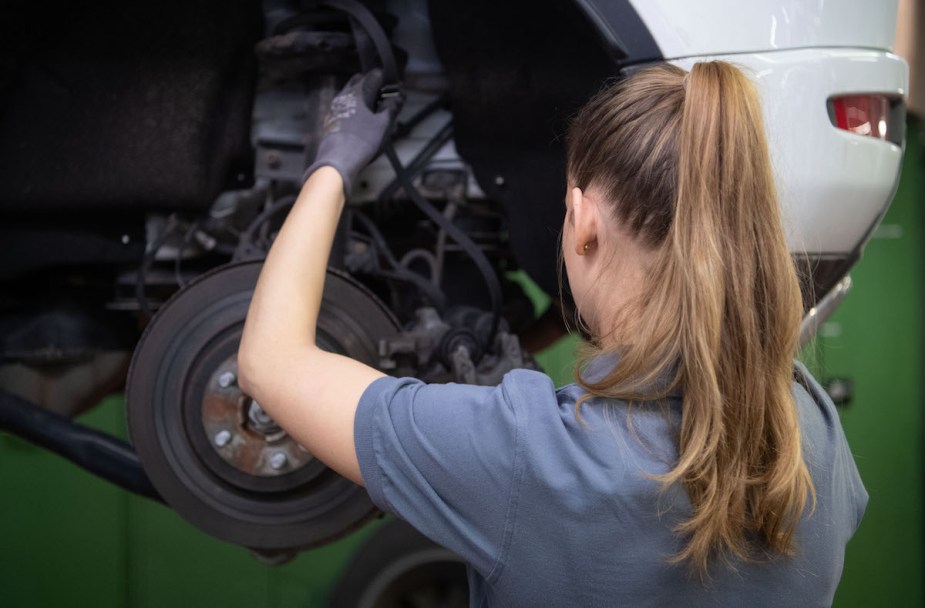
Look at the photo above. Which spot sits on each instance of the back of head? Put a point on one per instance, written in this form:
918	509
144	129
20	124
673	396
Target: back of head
682	159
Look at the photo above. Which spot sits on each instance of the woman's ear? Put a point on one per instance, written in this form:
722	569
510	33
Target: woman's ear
584	219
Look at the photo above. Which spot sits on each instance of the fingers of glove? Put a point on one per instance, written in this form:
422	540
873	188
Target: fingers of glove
342	107
391	106
363	86
352	83
382	120
371	85
360	89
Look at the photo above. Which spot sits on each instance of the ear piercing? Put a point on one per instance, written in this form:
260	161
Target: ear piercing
587	247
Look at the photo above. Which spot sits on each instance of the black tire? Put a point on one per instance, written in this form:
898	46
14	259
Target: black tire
398	567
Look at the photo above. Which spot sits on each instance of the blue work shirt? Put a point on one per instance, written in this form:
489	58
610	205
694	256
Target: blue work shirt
549	511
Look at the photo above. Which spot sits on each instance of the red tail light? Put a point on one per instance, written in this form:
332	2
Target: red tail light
878	116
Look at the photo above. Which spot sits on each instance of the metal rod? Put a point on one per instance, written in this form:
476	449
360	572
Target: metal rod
94	451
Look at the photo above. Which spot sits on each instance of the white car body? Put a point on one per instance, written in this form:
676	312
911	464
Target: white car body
834	185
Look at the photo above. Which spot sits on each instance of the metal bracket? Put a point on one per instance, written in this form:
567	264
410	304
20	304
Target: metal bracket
94	451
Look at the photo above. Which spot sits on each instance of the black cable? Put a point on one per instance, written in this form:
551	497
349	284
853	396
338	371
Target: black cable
246	238
462	239
404	128
420	161
358	12
377	237
433	292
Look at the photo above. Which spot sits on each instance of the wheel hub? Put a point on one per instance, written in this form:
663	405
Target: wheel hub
242	434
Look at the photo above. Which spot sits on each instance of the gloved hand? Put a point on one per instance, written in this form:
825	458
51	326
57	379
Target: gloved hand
353	131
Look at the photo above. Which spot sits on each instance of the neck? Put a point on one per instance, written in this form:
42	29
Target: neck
616	301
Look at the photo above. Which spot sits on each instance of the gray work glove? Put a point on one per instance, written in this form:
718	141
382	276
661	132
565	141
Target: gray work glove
353	131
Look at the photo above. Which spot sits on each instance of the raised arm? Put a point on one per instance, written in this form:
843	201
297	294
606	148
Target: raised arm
311	393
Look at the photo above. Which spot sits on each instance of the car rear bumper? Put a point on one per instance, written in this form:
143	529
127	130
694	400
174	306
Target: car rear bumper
834	185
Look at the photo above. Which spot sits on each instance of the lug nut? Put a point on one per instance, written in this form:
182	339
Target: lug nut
226	379
278	461
222	438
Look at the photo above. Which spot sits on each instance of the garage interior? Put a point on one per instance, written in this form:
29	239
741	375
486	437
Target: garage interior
68	538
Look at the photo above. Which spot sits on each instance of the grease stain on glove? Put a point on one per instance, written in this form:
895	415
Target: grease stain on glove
353	130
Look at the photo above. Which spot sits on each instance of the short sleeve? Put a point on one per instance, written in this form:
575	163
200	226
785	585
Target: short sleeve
843	471
444	457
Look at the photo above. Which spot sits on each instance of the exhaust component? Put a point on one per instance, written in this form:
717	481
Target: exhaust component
820	313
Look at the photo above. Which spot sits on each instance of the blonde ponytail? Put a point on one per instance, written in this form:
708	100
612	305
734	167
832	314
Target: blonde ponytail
721	316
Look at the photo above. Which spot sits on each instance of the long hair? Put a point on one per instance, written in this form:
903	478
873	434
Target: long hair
683	160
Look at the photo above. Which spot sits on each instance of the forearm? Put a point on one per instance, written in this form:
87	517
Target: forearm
310	393
284	311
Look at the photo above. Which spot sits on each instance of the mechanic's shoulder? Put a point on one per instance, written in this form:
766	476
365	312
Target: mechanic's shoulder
528	382
535	391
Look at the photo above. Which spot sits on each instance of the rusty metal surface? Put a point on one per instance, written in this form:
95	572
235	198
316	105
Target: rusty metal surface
217	458
242	434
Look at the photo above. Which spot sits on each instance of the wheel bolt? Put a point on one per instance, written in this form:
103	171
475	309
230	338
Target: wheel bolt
278	461
226	379
222	438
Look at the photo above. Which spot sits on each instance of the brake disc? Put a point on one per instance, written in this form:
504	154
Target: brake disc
211	451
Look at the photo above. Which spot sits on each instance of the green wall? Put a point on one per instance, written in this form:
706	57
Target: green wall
69	539
877	340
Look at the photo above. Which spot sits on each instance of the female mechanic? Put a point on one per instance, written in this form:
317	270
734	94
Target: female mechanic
692	461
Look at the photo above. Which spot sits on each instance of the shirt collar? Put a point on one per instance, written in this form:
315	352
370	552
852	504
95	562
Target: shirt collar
601	365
